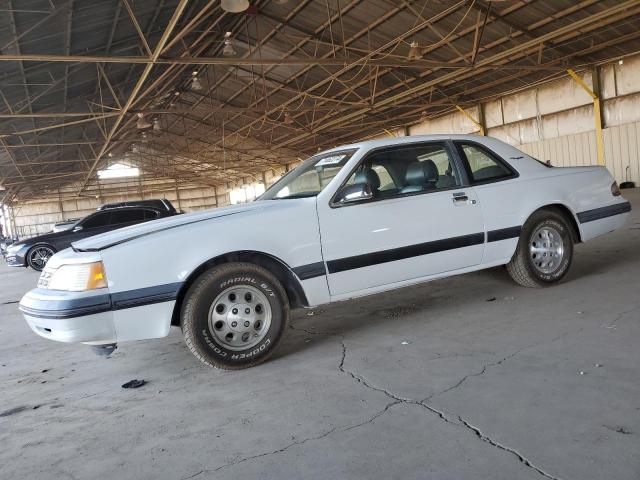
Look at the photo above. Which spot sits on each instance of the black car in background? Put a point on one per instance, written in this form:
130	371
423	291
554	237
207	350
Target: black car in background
159	203
36	251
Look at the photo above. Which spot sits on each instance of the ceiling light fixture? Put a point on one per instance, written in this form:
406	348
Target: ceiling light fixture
142	122
228	50
234	6
196	86
415	53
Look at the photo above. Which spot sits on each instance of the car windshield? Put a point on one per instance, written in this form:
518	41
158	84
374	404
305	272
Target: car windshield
309	178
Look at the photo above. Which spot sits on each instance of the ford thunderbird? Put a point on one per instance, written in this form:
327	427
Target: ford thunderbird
352	221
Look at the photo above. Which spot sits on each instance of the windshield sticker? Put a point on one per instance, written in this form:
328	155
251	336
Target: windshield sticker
331	160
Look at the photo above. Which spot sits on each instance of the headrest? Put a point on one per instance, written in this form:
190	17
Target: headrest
430	171
368	176
421	173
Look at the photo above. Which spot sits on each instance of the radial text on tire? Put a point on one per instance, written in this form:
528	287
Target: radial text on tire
234	315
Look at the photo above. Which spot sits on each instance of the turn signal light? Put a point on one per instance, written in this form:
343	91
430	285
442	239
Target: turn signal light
97	277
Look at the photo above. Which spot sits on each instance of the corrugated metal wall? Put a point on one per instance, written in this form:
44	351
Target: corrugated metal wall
621	150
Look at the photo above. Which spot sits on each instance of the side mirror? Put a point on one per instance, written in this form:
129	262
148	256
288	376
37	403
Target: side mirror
77	228
354	193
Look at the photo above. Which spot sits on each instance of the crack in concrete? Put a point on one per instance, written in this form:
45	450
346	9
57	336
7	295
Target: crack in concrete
621	315
445	418
499	362
422	403
371	419
522	459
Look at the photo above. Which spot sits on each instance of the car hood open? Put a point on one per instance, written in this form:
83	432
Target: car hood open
116	237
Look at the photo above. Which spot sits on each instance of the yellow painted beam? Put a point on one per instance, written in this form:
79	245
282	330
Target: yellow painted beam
597	114
473	120
580	82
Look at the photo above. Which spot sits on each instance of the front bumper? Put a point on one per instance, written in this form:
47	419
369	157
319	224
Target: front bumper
70	316
17	258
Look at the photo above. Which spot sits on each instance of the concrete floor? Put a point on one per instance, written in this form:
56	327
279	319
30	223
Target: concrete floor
434	381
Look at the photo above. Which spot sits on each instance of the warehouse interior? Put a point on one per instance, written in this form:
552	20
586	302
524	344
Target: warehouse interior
207	103
79	79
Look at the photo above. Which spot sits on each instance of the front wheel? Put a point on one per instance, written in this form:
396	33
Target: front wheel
234	315
38	256
544	252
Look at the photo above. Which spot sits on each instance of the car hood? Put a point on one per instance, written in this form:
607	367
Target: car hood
109	239
46	238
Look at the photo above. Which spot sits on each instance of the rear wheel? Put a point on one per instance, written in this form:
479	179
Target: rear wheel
234	316
545	250
38	256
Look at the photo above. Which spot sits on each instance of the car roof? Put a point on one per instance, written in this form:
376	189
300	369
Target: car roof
129	207
385	142
159	203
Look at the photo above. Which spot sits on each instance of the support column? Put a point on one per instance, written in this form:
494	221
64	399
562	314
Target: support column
597	110
60	206
473	120
178	195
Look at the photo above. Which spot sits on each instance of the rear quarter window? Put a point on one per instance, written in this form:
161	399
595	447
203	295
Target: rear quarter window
482	164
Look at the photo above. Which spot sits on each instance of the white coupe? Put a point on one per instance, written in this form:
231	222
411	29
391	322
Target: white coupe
351	221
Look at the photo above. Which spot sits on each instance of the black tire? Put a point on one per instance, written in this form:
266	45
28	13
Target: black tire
197	307
35	256
524	268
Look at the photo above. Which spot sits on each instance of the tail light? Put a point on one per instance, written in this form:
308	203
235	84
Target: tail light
615	190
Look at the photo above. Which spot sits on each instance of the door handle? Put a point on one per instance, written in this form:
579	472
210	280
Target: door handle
461	198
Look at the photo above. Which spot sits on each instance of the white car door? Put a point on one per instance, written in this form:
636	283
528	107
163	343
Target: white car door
420	221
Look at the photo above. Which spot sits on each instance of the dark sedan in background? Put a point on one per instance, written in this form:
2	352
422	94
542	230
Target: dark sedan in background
36	251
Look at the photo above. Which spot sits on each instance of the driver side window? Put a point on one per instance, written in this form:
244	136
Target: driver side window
407	169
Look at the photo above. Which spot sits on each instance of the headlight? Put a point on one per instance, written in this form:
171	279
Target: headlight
75	278
14	247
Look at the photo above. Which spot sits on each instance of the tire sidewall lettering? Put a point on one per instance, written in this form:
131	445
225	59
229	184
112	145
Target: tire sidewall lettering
207	340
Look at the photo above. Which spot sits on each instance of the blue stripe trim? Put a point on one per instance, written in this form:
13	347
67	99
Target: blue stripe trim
145	296
401	253
312	270
604	212
503	234
80	307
